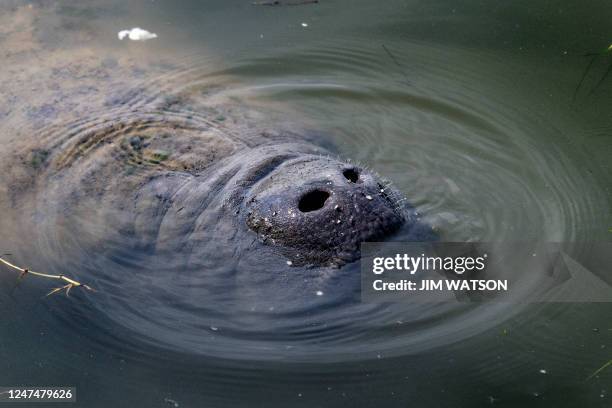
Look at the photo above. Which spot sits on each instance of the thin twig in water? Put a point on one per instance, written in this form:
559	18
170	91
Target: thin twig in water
595	56
603	78
70	283
584	75
599	370
395	60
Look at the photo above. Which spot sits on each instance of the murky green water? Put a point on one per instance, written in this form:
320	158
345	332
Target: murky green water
468	107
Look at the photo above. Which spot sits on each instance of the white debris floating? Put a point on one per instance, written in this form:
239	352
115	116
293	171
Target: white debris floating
136	34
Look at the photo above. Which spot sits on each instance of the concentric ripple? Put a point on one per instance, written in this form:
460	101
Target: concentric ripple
460	145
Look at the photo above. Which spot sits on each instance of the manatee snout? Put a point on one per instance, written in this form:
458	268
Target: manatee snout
319	210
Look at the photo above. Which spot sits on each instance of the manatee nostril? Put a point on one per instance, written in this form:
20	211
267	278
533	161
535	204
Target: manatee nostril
312	201
351	175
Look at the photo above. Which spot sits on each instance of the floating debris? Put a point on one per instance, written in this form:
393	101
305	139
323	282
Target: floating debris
71	283
319	293
136	34
304	24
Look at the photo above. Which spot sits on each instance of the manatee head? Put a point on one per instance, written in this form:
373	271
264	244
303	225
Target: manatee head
318	210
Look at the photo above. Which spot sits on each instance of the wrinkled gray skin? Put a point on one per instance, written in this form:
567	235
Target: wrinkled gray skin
318	210
296	201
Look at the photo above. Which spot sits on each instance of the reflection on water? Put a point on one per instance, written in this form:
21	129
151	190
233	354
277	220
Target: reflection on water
467	109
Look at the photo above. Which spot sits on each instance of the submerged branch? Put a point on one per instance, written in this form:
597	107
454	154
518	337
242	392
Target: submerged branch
70	283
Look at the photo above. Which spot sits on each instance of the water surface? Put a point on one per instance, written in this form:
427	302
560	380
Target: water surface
469	109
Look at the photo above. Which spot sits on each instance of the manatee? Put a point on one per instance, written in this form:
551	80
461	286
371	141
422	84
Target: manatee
169	181
148	177
101	149
100	154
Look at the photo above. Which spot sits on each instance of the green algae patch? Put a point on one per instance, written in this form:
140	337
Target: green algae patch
159	156
38	158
